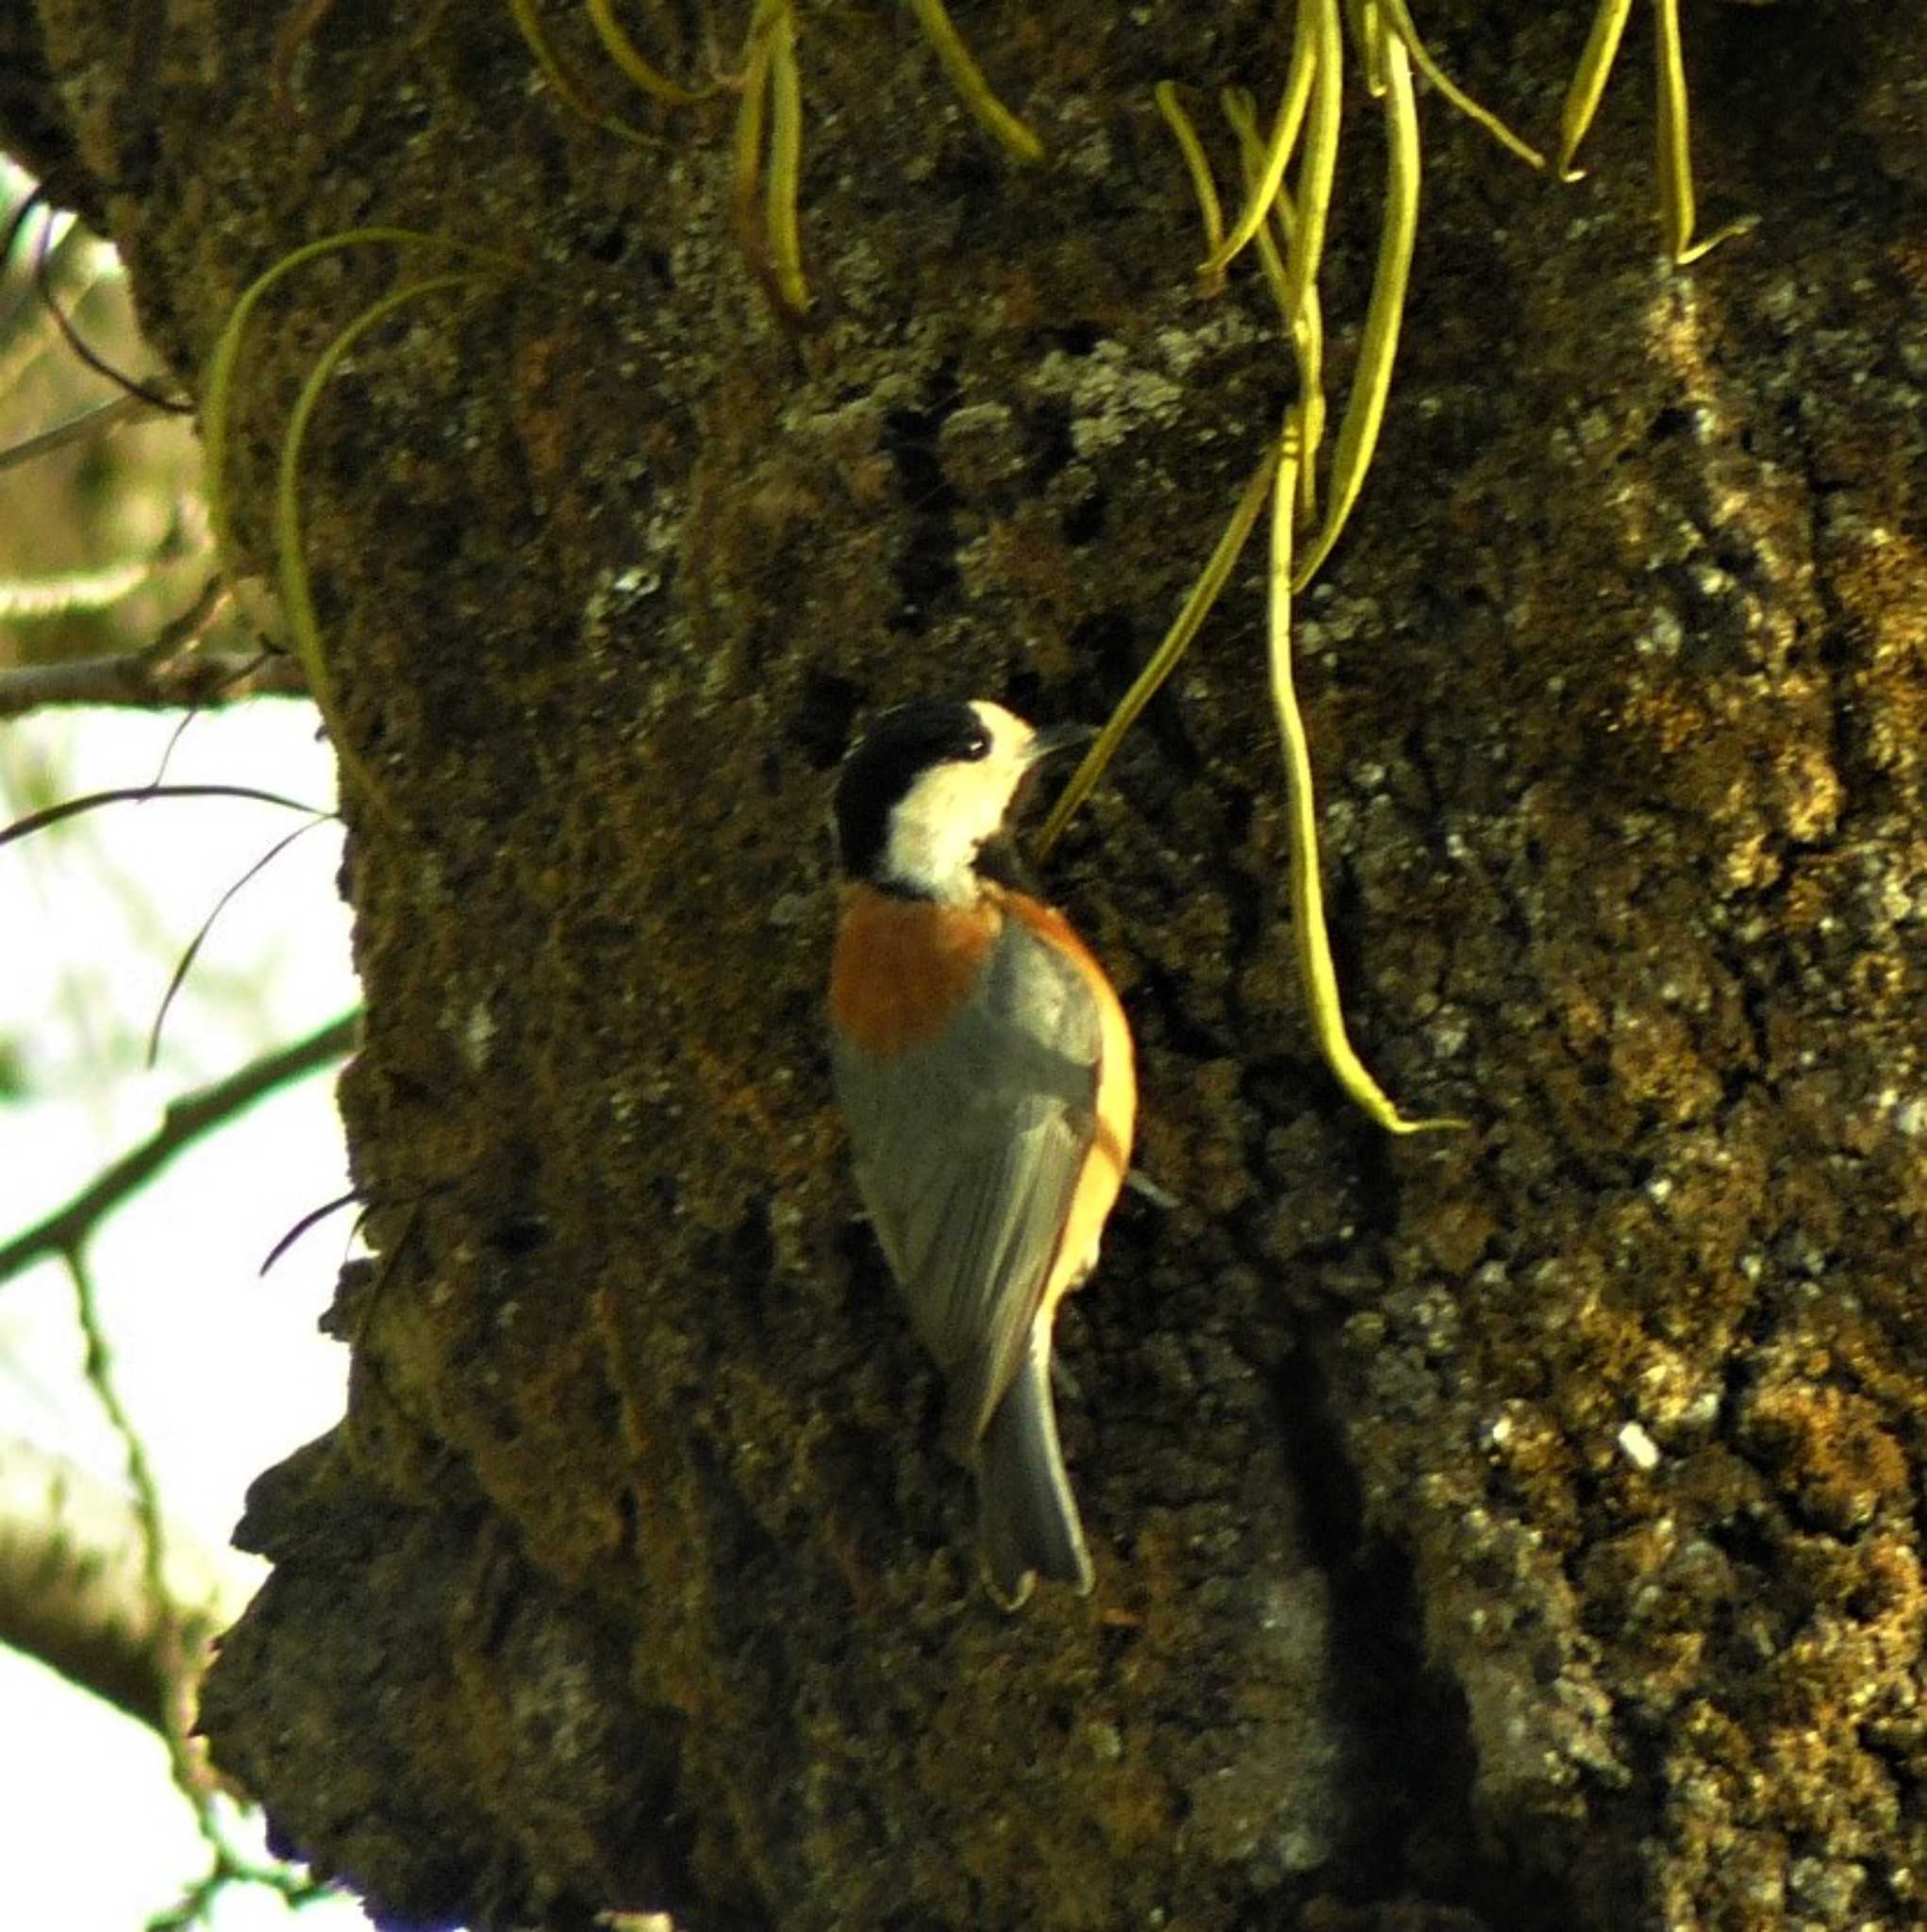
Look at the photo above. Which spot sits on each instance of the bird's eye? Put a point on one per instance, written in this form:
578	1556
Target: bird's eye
978	745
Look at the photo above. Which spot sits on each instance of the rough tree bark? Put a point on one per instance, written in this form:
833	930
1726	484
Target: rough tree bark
1520	1529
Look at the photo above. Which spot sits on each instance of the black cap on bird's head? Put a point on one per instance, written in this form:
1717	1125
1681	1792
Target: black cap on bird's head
926	786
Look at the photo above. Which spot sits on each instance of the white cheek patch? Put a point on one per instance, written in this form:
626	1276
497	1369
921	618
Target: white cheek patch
1008	733
941	821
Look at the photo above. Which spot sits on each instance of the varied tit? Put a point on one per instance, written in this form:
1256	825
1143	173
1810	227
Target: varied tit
984	1070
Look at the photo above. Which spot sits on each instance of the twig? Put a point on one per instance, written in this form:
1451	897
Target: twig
73	1584
90	422
176	1638
43	281
49	816
155	667
66	1230
181	1642
186	963
192	680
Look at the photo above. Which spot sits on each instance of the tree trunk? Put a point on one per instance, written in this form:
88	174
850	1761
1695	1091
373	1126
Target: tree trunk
1513	1528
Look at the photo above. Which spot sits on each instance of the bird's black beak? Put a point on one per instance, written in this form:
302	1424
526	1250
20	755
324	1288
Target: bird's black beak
1058	739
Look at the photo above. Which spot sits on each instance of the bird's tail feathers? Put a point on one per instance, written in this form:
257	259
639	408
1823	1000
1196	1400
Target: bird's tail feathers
1027	1516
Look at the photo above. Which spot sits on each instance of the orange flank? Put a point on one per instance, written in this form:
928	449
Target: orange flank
902	966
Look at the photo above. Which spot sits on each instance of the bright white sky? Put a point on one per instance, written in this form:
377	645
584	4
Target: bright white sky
223	1371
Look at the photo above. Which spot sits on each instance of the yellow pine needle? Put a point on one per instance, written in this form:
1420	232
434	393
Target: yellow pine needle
1293	103
747	147
1378	345
968	78
783	188
1588	81
1241	117
773	96
1202	185
623	51
296	597
1164	660
1320	166
217	389
567	89
1399	15
1677	147
1367	29
1675	151
1306	327
1311	939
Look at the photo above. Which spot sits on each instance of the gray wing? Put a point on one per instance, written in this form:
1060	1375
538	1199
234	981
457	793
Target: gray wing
968	1151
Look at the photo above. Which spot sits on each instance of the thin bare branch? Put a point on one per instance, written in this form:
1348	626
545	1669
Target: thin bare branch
74	1585
90	422
49	816
181	1639
65	1232
43	281
192	680
193	952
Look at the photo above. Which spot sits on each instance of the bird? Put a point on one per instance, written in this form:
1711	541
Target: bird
983	1067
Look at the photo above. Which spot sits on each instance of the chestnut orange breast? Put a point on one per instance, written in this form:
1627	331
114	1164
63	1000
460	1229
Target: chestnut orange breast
902	966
